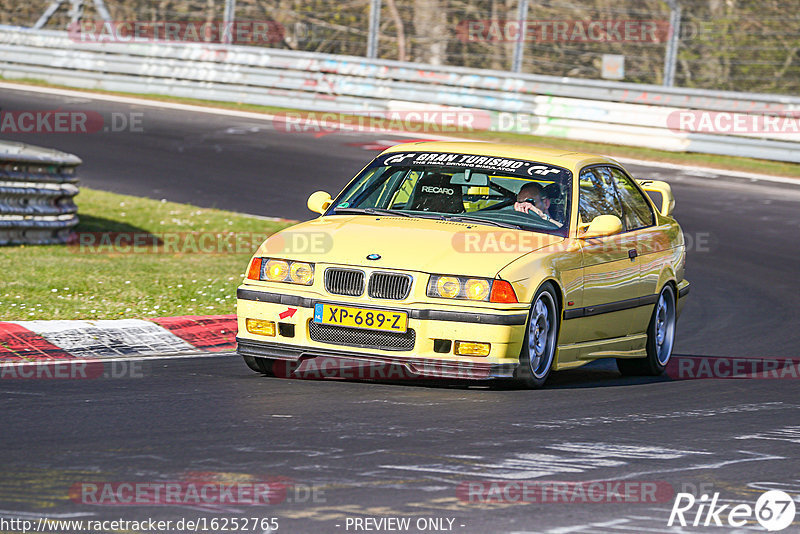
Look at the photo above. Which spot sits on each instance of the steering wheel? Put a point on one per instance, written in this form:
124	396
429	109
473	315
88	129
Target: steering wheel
502	204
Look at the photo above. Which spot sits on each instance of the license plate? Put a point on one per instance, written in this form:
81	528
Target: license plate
370	319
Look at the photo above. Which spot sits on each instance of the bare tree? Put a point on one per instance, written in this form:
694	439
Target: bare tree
430	28
399	29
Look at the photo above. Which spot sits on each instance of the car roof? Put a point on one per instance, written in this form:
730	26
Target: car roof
560	157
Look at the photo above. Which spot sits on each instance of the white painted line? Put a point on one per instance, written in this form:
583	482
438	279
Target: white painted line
36	515
600	450
789	433
578	528
756	457
265	218
136	101
109	337
712	172
194	108
269	117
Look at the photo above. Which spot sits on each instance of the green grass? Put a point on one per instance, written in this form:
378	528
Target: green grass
102	282
776	168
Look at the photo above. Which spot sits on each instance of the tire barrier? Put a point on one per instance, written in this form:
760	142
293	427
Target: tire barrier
37	192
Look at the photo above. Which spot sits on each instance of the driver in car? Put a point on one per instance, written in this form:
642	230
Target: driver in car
531	198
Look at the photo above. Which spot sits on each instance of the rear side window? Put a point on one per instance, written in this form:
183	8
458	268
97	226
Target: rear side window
597	195
637	210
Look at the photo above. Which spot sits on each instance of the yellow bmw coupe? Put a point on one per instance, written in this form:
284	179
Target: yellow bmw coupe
472	260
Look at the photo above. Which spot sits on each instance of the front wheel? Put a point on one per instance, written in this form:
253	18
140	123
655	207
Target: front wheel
660	338
539	344
259	365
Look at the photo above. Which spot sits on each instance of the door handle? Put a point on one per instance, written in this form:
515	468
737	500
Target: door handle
632	254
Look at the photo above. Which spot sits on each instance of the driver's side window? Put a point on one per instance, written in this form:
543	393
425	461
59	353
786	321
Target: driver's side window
597	195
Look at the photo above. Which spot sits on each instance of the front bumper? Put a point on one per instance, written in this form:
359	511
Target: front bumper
336	362
683	292
503	329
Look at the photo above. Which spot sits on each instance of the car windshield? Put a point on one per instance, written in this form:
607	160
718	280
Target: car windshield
472	188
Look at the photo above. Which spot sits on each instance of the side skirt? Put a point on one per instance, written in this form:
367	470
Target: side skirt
633	346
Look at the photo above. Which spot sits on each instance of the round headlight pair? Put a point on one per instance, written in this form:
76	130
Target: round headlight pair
283	271
468	288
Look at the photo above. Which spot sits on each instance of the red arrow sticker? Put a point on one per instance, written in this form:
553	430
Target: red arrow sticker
288	313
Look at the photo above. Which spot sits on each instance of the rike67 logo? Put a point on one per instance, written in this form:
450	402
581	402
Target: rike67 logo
774	510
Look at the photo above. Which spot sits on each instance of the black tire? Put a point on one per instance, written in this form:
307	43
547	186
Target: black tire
251	363
660	338
259	365
541	338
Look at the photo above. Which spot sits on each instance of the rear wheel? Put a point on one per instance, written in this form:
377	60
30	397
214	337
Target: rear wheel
259	365
660	338
539	343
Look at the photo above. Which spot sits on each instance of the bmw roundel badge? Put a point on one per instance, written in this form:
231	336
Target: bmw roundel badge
374	257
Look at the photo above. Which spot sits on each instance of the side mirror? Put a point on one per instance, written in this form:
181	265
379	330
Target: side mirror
601	226
663	189
319	202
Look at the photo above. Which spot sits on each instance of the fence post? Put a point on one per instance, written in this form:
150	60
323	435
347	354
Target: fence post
672	44
75	12
51	9
374	28
522	16
101	9
228	17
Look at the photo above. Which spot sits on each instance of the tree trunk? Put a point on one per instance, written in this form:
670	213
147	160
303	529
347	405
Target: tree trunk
399	29
430	27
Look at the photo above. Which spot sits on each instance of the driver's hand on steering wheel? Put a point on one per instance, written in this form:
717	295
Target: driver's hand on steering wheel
527	207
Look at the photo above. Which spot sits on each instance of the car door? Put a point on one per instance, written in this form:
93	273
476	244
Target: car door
652	247
611	282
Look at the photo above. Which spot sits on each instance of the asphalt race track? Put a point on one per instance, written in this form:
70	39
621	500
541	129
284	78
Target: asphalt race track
380	450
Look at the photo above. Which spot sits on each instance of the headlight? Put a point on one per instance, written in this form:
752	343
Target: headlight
477	289
274	270
465	288
448	287
301	273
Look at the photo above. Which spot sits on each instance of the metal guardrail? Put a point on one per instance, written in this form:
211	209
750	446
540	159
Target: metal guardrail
37	190
592	110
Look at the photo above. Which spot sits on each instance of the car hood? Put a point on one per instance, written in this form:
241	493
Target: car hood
412	244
